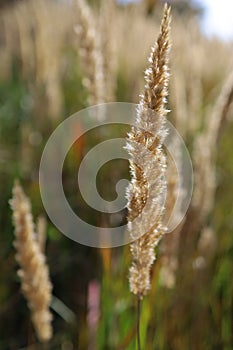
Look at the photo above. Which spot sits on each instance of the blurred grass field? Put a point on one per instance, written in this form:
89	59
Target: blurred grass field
42	83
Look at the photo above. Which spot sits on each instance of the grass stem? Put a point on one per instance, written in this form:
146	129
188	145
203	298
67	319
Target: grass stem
138	322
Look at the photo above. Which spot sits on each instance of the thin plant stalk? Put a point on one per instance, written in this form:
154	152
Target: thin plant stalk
138	322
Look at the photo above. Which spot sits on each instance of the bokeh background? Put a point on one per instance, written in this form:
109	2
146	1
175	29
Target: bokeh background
43	80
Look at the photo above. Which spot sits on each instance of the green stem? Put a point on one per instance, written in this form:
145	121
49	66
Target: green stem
138	322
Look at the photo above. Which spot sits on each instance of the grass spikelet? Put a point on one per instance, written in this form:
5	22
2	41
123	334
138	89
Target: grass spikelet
89	49
205	149
33	272
108	29
148	164
218	115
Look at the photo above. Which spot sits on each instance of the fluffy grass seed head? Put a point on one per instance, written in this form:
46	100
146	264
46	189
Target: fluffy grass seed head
147	190
33	272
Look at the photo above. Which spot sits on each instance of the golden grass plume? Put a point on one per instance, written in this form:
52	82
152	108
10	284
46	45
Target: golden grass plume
33	272
148	164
